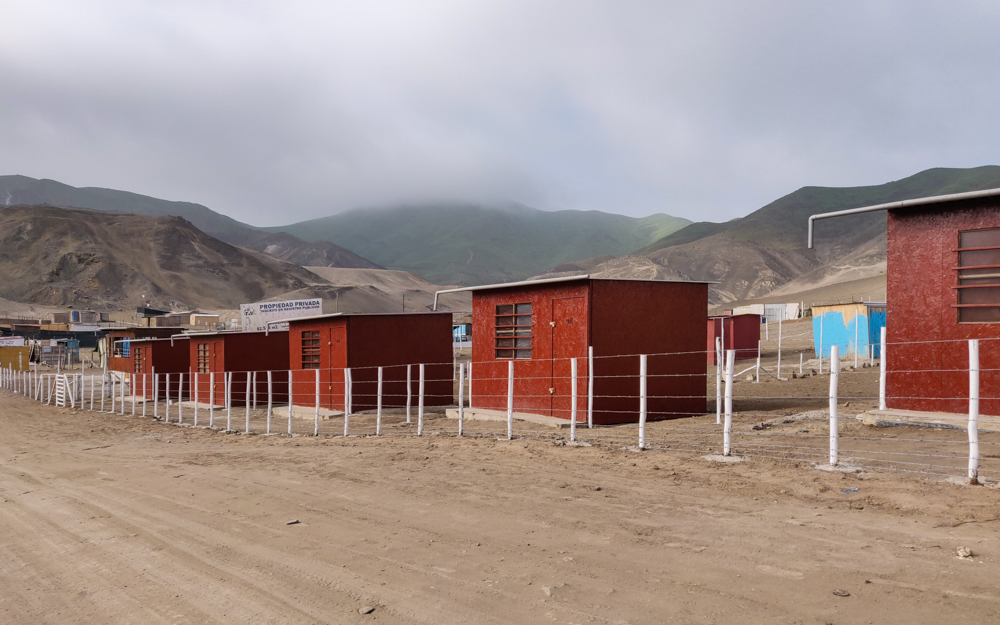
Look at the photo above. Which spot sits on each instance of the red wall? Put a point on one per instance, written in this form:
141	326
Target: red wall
366	342
619	318
921	257
162	356
742	334
239	353
125	364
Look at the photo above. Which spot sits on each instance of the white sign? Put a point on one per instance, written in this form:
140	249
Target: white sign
11	341
260	316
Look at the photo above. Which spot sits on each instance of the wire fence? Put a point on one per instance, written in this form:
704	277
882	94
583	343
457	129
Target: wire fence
665	401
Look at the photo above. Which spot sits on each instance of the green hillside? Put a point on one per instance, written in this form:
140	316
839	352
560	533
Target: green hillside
782	224
473	244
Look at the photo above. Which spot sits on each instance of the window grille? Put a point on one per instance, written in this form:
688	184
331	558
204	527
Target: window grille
512	337
139	360
204	361
310	349
979	276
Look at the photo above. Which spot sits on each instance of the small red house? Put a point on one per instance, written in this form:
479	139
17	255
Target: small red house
943	288
739	332
119	340
239	353
161	356
363	342
540	325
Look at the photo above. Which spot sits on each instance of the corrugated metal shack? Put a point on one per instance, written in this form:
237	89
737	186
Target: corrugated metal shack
363	342
853	328
541	325
738	332
239	353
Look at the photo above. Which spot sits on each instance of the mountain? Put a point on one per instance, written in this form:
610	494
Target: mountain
751	256
75	257
475	244
25	191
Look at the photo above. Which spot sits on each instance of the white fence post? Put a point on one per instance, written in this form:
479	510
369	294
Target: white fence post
881	373
227	379
316	414
757	381
290	387
409	393
572	410
510	400
834	380
249	381
727	430
718	379
590	386
821	344
800	363
461	396
348	398
93	387
180	398
779	349
857	323
211	399
420	402
378	401
270	400
166	393
194	395
973	411
642	401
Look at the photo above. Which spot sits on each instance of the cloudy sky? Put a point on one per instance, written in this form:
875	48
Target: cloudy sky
274	112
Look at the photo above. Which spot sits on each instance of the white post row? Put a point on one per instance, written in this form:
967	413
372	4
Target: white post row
727	429
572	410
510	400
461	397
973	411
590	387
881	373
642	401
378	401
834	380
420	402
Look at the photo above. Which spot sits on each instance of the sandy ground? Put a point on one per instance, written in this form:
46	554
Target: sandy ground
120	519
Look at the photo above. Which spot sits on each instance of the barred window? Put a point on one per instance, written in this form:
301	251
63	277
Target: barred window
979	276
512	337
204	362
138	362
310	349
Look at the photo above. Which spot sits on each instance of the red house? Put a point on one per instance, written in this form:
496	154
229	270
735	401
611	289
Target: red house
540	325
943	289
740	333
119	342
161	356
363	342
239	353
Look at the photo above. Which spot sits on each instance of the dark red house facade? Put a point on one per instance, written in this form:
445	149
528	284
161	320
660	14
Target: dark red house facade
239	353
325	345
943	289
161	356
119	343
542	325
740	333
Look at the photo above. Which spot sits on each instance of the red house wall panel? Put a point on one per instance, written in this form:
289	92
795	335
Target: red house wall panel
932	375
366	342
125	364
161	356
742	333
241	353
620	319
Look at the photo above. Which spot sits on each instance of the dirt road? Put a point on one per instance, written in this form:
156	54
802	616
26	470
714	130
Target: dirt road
119	519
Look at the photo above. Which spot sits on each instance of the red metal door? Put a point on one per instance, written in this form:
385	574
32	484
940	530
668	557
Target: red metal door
569	340
334	376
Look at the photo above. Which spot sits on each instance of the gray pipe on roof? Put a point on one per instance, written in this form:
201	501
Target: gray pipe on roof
921	201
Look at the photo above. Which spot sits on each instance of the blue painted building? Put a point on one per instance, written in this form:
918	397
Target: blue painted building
853	328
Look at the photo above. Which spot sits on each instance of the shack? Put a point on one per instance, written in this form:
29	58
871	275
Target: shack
161	356
738	332
329	344
540	325
943	288
117	341
855	328
239	353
